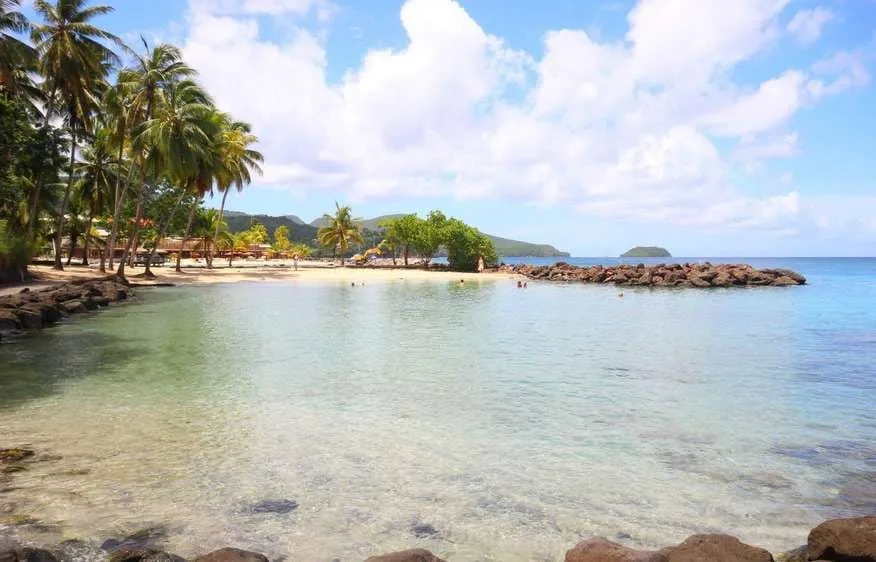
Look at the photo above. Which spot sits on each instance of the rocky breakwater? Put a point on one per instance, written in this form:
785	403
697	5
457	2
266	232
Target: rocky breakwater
33	310
704	275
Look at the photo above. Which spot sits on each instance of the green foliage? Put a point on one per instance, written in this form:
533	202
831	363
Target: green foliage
465	244
340	231
646	252
281	239
15	253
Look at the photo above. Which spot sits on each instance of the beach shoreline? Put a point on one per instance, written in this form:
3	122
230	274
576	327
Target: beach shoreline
44	277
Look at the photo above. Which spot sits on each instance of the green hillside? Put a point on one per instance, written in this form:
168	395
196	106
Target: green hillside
646	252
306	233
298	232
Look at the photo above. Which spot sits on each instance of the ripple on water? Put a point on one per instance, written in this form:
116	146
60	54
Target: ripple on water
473	421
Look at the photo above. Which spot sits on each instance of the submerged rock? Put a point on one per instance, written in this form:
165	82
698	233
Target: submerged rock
844	540
603	550
15	454
143	555
799	554
413	555
232	555
715	548
274	506
423	530
25	554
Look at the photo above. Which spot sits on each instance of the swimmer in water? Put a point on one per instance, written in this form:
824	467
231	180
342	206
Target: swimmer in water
525	284
620	295
520	284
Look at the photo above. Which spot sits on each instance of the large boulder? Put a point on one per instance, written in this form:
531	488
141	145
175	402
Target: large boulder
602	550
73	307
30	319
716	548
413	555
232	555
9	320
844	540
785	281
13	553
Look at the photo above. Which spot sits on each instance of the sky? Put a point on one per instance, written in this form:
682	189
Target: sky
709	127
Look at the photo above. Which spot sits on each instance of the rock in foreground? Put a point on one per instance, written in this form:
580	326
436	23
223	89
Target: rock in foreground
844	540
413	555
701	276
602	550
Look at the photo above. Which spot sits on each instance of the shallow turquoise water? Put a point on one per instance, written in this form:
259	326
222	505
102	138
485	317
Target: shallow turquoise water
514	422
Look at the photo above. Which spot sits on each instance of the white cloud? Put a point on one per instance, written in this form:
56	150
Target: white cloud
806	25
754	148
617	128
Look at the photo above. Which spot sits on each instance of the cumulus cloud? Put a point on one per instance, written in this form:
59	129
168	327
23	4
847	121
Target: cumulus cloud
627	127
806	25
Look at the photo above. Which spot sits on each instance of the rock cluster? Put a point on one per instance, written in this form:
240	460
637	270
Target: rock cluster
839	540
705	275
32	310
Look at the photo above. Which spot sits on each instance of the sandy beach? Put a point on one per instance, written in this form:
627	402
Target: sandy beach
308	271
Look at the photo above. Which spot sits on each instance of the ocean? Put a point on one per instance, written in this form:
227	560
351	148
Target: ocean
482	421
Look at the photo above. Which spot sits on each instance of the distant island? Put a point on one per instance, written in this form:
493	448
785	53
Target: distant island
646	252
299	231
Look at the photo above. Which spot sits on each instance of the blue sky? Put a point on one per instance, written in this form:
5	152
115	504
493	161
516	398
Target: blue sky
738	128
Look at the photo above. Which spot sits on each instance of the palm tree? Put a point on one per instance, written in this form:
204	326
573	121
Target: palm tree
16	56
236	160
143	87
96	174
74	64
340	230
182	136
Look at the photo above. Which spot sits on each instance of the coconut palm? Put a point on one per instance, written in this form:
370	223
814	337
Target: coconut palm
96	173
74	63
182	135
143	88
236	160
340	231
16	56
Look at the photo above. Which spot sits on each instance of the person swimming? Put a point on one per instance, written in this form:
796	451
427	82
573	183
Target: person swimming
520	284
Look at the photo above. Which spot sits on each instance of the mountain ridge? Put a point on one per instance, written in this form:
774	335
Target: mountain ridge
299	231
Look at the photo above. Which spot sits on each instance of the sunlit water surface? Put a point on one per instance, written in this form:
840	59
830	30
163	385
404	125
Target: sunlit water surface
513	422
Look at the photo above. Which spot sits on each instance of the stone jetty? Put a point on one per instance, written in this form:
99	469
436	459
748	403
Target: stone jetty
694	275
36	309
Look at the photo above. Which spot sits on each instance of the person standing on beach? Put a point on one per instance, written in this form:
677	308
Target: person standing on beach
295	261
480	264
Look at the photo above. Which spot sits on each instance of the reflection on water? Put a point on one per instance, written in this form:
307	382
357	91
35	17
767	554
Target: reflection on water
480	421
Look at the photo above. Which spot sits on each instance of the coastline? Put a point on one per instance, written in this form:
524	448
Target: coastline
308	271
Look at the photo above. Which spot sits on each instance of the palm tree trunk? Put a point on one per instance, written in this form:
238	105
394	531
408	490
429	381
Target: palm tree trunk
59	222
162	232
406	255
73	240
117	206
186	236
87	242
136	230
102	259
343	251
39	180
218	224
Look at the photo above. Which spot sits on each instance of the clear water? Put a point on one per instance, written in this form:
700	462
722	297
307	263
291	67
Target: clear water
514	422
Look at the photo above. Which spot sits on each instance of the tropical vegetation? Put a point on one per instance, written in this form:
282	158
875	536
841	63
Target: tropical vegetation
99	136
111	149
